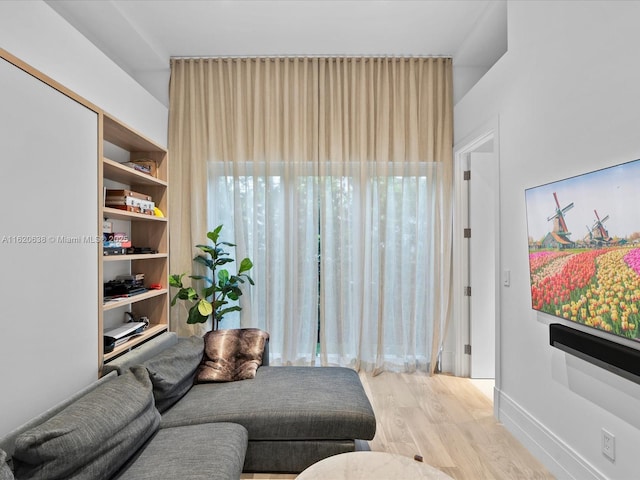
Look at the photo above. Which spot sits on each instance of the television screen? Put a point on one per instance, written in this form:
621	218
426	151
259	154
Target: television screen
584	249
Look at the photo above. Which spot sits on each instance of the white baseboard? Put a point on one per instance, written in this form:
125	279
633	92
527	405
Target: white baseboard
562	461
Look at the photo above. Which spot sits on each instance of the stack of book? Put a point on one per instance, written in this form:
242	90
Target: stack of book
130	201
115	243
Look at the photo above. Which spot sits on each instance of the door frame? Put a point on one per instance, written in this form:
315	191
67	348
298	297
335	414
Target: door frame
461	325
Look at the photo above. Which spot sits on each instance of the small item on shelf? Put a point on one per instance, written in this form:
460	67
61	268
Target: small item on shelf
129	208
132	279
122	334
150	167
141	251
110	240
107	227
155	286
126	193
116	201
126	208
158	213
123	288
108	251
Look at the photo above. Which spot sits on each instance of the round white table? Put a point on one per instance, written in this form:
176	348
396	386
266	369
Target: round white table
371	466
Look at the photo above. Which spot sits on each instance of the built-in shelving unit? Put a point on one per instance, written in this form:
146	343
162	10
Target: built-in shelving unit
144	231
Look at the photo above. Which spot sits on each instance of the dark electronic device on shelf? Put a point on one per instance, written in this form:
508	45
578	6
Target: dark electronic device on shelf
124	285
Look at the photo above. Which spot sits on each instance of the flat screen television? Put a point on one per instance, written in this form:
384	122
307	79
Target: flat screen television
584	249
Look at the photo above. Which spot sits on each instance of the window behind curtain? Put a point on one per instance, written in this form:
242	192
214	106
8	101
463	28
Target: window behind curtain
360	258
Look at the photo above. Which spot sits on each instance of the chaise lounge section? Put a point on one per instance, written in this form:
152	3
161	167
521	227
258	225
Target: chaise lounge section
294	416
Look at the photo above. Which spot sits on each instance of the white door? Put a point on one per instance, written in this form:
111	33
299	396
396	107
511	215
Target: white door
482	263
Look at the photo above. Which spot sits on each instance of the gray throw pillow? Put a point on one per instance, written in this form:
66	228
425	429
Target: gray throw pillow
5	471
173	371
94	436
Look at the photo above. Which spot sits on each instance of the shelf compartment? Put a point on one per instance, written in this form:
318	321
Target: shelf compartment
123	174
110	305
152	331
126	137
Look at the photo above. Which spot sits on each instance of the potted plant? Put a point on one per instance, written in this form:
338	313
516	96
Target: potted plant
219	288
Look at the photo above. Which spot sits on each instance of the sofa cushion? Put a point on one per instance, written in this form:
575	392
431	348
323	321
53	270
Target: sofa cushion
231	355
92	437
283	403
5	471
287	456
173	371
208	451
140	354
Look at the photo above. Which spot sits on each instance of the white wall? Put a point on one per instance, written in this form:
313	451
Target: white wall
36	34
33	32
566	95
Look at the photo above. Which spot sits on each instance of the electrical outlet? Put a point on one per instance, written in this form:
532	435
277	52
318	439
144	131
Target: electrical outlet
608	445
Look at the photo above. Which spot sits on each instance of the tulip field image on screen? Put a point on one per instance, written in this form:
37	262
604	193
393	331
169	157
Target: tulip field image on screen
584	249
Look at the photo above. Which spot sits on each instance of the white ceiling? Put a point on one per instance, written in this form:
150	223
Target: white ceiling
141	35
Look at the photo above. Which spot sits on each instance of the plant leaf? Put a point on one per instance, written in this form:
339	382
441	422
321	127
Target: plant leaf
222	261
223	277
206	248
229	309
207	262
245	265
195	316
174	300
213	236
207	292
229	244
205	308
175	280
201	277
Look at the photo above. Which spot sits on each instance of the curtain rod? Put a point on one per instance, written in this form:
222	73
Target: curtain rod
272	57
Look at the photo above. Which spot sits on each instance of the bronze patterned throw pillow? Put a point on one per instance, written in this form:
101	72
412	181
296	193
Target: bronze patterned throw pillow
231	355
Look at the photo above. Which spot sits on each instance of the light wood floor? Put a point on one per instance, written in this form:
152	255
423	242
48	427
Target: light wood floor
446	420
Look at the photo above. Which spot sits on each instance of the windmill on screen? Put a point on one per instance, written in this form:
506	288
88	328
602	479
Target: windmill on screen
560	233
599	234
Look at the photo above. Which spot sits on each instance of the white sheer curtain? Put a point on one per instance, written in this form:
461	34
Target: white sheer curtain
271	210
385	170
378	276
334	176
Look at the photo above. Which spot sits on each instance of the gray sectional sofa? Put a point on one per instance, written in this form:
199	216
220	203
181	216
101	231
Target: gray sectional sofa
146	419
